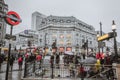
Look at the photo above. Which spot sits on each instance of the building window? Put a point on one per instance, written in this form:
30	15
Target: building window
23	45
54	20
83	40
68	21
61	42
43	22
54	36
54	31
61	21
61	31
61	36
69	44
77	34
90	42
68	35
68	32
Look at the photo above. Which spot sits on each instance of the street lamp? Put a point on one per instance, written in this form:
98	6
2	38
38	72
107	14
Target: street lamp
98	43
114	36
101	34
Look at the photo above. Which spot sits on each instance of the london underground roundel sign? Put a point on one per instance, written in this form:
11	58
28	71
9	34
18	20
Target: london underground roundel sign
13	18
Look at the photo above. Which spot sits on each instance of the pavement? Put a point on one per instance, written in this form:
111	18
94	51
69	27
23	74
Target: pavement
18	75
15	74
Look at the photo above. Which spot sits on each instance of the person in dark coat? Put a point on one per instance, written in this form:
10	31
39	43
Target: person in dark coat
1	61
52	60
11	61
57	60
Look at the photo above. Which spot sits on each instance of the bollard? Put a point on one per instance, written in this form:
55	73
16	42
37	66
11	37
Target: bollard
25	69
52	76
34	66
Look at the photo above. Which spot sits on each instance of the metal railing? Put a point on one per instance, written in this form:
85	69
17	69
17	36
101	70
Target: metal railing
72	71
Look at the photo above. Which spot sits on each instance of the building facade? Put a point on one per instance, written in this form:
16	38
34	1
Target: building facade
69	32
3	11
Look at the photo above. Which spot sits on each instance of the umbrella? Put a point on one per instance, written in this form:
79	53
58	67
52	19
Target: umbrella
69	52
89	60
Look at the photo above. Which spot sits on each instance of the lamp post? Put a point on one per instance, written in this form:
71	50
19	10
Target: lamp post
7	67
101	34
98	44
87	46
114	36
45	44
45	40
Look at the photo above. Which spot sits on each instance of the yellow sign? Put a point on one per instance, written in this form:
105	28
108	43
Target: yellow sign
105	36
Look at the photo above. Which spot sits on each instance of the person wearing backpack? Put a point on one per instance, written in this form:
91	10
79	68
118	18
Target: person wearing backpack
20	62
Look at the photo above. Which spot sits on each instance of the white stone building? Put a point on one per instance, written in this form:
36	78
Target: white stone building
23	37
69	32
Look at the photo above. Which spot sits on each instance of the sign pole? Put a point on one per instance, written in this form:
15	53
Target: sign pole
6	78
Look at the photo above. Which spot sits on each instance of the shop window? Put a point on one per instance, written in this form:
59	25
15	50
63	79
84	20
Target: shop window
68	21
61	36
68	35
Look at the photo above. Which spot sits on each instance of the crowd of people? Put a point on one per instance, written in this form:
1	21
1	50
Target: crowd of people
72	61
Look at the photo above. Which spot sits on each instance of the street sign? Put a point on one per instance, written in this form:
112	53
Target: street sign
107	36
7	36
12	18
25	36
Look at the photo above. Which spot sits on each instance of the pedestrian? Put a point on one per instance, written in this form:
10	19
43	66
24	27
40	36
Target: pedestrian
82	72
20	62
12	59
57	60
98	65
39	59
1	61
52	60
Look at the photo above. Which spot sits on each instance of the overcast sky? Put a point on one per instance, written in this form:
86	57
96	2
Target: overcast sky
88	11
